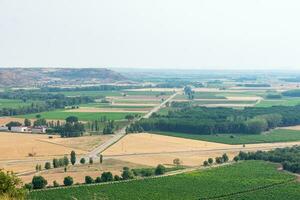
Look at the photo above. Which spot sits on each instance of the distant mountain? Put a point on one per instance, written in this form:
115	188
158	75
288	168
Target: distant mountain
28	77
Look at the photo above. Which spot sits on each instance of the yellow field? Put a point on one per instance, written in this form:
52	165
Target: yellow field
151	149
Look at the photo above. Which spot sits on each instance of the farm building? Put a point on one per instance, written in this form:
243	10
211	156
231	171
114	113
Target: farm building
40	129
19	129
3	128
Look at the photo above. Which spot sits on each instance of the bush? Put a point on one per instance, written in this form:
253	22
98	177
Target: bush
98	180
127	174
117	178
236	158
47	165
225	157
106	176
219	160
82	160
160	169
146	172
210	161
39	182
89	180
91	160
68	181
28	186
205	163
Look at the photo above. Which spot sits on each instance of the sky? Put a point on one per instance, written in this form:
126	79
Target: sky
181	34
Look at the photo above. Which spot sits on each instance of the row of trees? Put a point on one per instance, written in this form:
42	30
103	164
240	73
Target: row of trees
39	182
289	157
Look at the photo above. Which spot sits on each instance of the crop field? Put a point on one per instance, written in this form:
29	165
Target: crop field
82	116
278	135
280	102
107	105
12	103
226	181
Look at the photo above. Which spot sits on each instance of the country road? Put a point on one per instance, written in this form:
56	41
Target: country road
121	133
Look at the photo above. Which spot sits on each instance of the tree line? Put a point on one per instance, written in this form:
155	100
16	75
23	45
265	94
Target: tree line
203	120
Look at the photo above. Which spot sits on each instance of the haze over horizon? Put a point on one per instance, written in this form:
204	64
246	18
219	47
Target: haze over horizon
194	34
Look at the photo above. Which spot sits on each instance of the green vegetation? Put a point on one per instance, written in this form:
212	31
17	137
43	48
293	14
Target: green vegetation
278	135
230	181
14	103
82	116
281	102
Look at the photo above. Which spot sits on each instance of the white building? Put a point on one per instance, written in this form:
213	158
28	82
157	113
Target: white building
39	129
19	129
3	128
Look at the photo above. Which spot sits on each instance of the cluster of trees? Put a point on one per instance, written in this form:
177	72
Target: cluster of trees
254	85
109	127
202	120
72	128
189	92
218	160
289	157
47	102
134	128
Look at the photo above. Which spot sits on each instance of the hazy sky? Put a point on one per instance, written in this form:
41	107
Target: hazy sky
204	34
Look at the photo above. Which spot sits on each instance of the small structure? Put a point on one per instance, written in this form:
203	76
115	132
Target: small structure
19	129
3	128
39	129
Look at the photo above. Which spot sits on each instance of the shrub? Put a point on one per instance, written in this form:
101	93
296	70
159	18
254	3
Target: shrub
126	174
225	157
160	169
55	184
219	160
68	181
39	182
47	165
117	178
82	160
205	163
106	176
98	180
91	160
210	161
89	180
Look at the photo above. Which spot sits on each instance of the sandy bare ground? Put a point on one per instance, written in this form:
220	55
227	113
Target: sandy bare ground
15	147
244	98
295	128
151	149
109	110
78	172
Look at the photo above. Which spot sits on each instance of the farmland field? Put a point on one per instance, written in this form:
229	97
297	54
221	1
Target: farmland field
229	180
280	102
12	103
82	116
278	135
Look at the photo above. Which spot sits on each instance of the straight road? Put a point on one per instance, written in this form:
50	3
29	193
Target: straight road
122	132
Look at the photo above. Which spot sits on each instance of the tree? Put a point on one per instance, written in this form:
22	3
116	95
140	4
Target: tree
72	119
176	161
89	180
39	182
12	124
219	160
38	116
101	158
225	157
55	163
66	161
210	161
98	180
160	169
73	157
27	122
47	165
68	181
205	163
106	176
11	186
129	117
126	174
236	158
117	178
40	122
82	160
91	160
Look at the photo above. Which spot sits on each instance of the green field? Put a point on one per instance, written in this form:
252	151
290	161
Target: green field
278	135
12	103
82	116
107	105
280	102
223	102
244	178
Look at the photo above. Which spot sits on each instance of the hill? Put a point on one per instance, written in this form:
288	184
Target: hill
28	77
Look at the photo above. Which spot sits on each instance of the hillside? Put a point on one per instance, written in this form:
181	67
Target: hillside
27	77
